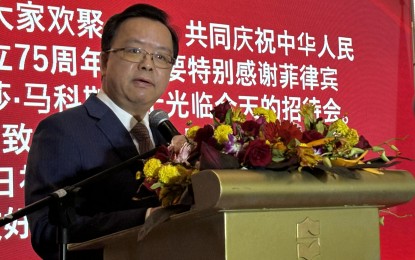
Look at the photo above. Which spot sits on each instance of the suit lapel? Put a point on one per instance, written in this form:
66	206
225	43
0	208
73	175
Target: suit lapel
112	128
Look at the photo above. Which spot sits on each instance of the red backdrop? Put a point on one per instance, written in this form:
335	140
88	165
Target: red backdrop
349	58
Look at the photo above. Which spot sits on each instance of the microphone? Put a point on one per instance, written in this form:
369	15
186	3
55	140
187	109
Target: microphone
160	119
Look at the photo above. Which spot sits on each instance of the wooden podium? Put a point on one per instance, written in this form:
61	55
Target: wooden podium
245	214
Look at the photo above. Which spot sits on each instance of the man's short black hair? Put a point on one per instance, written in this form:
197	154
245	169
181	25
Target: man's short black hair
137	10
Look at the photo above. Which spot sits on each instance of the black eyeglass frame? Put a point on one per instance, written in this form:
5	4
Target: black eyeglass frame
163	59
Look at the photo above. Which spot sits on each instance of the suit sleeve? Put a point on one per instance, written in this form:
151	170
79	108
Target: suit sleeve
54	162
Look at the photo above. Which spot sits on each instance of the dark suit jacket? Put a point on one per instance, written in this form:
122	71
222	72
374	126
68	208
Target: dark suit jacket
70	146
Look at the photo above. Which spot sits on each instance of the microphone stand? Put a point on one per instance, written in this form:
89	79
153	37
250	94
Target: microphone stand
59	199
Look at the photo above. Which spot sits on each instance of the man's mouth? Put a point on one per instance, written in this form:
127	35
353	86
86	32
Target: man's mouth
143	81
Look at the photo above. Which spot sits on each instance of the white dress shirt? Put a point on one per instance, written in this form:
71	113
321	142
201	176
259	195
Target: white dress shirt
126	119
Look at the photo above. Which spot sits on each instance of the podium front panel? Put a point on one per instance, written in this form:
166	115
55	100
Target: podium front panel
326	233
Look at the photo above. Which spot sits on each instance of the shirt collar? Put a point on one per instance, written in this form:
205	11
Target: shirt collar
127	120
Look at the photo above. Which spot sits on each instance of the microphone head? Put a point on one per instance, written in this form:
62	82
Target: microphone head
160	120
156	117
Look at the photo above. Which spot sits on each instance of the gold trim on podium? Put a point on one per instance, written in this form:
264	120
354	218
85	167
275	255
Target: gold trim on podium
244	189
245	214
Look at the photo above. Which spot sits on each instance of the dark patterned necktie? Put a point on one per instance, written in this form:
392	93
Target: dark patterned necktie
140	133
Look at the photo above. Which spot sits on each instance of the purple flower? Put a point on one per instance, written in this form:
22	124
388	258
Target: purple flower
233	146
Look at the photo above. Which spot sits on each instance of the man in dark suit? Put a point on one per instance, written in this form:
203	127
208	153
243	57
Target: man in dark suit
139	48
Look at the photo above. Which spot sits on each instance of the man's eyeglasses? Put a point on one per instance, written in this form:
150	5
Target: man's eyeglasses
136	55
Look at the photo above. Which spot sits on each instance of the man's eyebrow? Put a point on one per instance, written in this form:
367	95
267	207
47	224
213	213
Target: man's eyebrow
160	47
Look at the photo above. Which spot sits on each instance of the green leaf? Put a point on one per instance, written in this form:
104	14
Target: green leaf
277	153
277	159
394	148
330	133
320	127
156	185
307	123
378	149
355	151
327	162
384	157
293	143
228	117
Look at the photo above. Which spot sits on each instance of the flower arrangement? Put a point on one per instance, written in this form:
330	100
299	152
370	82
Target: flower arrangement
234	141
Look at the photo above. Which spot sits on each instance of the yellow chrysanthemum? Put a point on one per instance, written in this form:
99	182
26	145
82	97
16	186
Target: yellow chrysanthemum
191	132
269	114
222	132
151	168
279	146
185	172
238	115
168	174
307	156
351	135
339	126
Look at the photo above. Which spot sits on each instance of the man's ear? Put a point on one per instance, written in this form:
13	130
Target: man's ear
103	62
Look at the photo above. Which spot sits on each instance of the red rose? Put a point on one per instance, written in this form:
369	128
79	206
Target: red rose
251	127
270	132
288	131
257	154
162	154
311	135
205	134
220	111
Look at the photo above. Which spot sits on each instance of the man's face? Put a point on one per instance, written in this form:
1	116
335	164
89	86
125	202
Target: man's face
135	87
